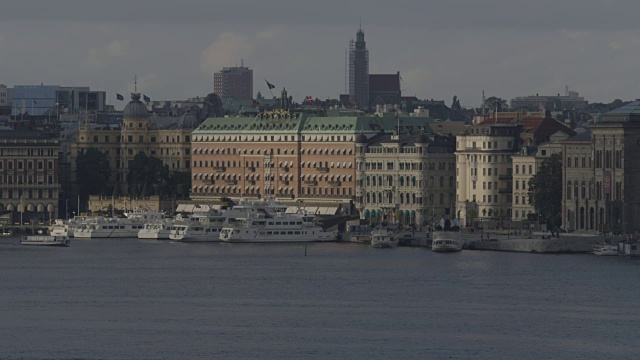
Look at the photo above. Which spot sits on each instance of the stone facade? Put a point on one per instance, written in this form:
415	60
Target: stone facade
484	171
290	156
405	178
579	192
166	138
29	185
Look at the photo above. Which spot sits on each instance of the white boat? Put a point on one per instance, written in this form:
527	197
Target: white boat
159	229
446	241
117	227
384	238
206	227
61	227
282	228
45	240
605	250
5	231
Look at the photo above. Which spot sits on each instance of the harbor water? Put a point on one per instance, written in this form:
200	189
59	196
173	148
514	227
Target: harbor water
135	299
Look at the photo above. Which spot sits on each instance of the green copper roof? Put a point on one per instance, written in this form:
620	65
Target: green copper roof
304	123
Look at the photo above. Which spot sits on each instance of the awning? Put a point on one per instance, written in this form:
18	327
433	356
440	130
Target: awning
291	210
180	208
189	208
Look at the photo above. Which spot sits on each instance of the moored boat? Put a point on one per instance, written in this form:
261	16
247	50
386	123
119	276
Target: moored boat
384	238
605	250
45	240
282	228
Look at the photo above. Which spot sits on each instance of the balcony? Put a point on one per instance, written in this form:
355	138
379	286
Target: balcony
219	168
505	177
322	169
311	183
253	169
231	182
506	190
208	182
285	169
335	183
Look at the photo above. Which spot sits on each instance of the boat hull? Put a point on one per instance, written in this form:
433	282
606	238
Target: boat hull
45	241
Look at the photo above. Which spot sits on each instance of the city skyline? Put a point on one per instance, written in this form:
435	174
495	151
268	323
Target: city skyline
444	51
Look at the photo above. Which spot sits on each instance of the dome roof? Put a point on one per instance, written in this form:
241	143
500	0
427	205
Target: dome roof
421	139
189	120
135	109
361	139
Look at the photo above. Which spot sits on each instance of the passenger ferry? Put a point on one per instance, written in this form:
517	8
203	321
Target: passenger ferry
45	240
61	227
159	229
282	228
206	227
117	227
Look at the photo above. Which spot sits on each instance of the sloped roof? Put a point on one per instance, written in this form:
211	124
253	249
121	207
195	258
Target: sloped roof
632	108
584	136
545	126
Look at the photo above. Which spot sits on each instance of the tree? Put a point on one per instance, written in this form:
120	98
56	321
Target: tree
177	185
212	107
147	174
545	190
493	102
92	173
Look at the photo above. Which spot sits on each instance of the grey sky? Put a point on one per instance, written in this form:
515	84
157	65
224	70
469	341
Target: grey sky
442	48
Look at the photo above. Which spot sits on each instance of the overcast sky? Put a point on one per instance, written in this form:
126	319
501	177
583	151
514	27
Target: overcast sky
442	48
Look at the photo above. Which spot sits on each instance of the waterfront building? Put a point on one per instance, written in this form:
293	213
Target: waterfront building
484	172
525	165
167	138
614	202
29	186
359	71
579	193
235	82
287	155
407	178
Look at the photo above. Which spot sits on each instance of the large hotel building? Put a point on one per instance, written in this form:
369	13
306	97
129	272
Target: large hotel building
289	156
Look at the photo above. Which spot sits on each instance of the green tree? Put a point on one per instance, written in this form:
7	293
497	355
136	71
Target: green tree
212	106
146	175
92	173
545	190
493	102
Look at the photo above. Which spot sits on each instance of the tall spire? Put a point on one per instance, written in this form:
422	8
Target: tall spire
135	83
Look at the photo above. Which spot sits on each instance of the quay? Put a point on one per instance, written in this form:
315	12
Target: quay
566	243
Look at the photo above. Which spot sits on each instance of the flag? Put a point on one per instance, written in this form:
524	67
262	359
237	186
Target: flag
119	97
309	99
146	98
270	85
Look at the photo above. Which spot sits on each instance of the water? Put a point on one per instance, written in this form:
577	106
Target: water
133	299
